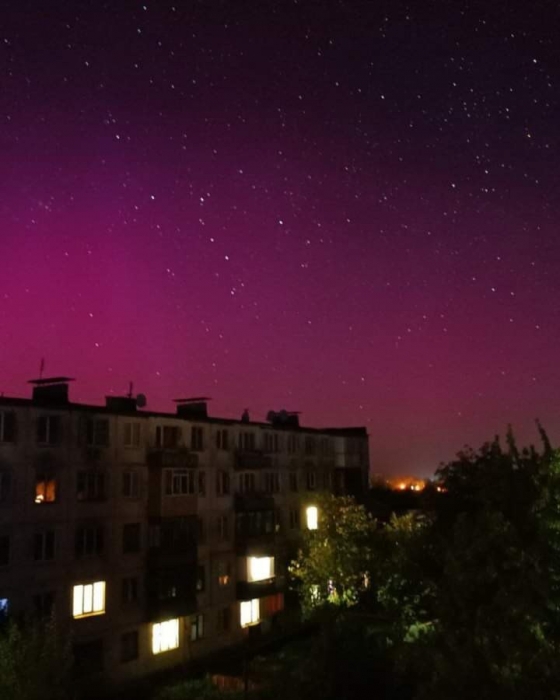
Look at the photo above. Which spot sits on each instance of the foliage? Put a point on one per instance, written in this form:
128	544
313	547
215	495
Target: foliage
34	662
472	593
333	565
197	689
354	661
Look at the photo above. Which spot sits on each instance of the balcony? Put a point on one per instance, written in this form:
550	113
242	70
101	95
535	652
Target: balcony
171	573
252	459
170	592
255	500
246	590
177	458
255	545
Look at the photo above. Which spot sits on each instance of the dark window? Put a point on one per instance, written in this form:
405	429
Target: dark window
246	482
48	430
292	443
222	439
4	550
88	657
197	438
167	587
202	483
129	646
7	426
91	486
197	627
224	620
200	530
294	518
247	441
222	483
131	538
131	435
131	484
167	436
200	578
271	442
311	481
98	432
5	486
272	482
177	534
179	482
45	487
89	541
43	545
223	527
310	445
43	604
130	589
293	481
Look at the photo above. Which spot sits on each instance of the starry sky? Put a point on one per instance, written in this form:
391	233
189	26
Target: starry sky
344	208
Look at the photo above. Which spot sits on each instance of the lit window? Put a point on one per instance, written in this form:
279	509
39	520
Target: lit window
249	612
165	636
89	599
45	488
312	517
260	568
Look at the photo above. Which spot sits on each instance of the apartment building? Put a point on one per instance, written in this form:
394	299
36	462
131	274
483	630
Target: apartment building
157	538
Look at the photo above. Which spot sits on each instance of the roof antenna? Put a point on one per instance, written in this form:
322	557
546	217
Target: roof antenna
130	388
41	368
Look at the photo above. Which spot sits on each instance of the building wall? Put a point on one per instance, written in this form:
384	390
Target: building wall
210	576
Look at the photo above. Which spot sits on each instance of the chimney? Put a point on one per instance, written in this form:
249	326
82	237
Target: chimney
51	391
120	404
283	418
195	407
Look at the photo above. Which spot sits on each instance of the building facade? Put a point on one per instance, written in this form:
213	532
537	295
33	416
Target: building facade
156	538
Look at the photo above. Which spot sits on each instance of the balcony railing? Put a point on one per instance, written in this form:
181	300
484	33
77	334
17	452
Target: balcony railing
252	459
177	458
246	590
254	500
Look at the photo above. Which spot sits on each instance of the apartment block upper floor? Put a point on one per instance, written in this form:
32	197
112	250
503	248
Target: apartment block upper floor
50	421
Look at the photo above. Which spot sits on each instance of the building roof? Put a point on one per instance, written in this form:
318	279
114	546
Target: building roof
92	408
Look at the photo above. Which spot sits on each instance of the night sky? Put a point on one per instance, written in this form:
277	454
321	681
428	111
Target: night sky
348	209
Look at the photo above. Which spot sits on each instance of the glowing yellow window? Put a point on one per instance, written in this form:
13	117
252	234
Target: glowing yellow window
260	568
249	612
165	636
89	599
312	515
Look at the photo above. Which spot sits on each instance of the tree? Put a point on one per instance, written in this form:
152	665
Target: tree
333	565
472	592
34	662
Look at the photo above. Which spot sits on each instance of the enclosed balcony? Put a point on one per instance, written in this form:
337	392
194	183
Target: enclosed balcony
258	577
168	457
252	459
